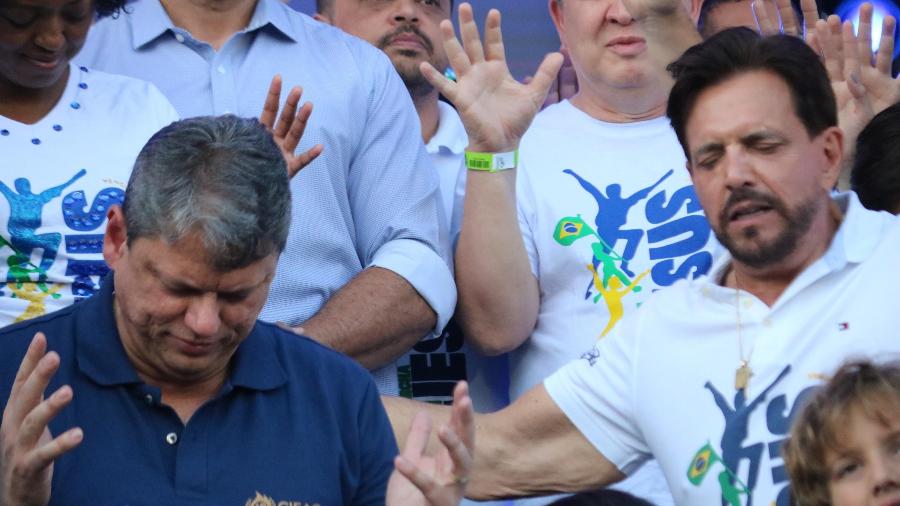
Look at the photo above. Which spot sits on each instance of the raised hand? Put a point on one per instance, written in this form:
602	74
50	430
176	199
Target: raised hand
441	480
778	16
290	126
494	107
28	448
862	82
875	70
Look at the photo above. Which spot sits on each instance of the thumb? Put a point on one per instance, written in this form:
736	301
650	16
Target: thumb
545	75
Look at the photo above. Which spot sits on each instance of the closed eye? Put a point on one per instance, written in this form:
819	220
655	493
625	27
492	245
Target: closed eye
19	17
845	468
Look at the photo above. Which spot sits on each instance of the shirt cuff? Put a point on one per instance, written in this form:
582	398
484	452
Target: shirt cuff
426	271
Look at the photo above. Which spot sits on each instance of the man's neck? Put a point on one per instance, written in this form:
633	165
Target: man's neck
429	114
211	21
621	105
769	282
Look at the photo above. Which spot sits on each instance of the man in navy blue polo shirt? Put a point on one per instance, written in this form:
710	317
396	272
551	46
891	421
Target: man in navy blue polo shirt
164	388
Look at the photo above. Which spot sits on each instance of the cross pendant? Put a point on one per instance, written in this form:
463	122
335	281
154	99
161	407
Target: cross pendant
742	376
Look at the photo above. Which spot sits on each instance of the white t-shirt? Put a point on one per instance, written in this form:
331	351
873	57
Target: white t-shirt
608	215
58	177
663	382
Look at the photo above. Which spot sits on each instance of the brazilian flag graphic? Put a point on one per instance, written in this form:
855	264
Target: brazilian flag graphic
570	229
702	462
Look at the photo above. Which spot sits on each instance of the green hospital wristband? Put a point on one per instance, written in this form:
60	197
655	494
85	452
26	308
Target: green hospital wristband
492	162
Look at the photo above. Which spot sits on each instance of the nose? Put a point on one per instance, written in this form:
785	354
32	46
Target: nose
737	167
618	14
406	11
202	315
885	474
50	33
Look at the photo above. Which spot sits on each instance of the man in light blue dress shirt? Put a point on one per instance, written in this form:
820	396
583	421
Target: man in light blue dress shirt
366	266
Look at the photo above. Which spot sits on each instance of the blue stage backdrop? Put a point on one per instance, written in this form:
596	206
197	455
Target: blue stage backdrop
527	29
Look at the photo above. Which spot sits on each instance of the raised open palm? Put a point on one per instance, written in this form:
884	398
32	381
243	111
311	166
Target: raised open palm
495	108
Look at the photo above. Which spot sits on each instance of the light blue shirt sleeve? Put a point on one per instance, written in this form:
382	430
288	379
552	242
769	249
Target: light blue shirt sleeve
371	198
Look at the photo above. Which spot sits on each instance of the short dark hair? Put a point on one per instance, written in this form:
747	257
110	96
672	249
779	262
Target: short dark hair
602	497
738	50
223	178
705	8
876	167
108	7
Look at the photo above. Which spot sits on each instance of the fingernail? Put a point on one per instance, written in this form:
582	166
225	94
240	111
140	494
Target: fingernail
76	435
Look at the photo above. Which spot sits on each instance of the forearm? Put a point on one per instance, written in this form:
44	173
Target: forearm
498	294
375	318
529	448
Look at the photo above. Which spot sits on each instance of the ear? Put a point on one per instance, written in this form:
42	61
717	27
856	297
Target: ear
115	241
689	167
693	9
832	140
556	13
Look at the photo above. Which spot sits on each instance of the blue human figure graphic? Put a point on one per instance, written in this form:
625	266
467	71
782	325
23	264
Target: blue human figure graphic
736	429
612	214
25	210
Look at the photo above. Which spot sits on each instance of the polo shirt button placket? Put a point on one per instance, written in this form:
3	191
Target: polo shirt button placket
171	438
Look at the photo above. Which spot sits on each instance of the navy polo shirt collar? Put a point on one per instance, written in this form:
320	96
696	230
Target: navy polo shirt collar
100	355
98	348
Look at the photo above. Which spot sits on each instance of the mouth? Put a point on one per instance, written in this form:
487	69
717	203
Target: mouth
44	62
193	347
746	211
409	41
628	45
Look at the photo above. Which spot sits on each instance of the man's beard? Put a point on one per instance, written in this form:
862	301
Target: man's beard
414	80
409	72
798	222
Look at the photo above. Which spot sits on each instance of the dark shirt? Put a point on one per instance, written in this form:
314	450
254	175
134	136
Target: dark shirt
295	422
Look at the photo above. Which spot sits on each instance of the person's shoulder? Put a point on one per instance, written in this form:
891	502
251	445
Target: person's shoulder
323	36
105	82
124	96
57	327
679	299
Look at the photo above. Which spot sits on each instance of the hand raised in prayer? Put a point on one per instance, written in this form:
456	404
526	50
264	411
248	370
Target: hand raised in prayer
28	448
495	108
441	480
290	125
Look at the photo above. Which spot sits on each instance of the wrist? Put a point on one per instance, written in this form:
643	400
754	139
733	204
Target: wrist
491	161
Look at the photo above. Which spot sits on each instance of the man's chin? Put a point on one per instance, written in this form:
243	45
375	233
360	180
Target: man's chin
758	253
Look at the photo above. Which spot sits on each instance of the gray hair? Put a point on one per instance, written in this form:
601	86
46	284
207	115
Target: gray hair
223	178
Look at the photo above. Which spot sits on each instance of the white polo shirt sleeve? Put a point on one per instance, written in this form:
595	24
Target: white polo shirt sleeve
597	393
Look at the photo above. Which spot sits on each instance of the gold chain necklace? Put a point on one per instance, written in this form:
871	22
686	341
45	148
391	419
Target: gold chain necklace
743	372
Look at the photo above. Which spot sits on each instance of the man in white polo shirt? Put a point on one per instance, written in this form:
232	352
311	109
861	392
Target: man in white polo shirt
706	375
